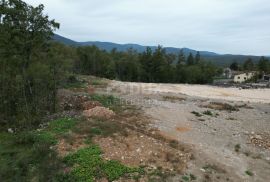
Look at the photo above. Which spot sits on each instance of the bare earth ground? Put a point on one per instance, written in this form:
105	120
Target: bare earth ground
228	144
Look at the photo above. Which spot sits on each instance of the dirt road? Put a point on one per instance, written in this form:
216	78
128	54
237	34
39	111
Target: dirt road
203	91
227	128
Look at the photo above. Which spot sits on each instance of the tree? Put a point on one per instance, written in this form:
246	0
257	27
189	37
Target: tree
190	60
264	65
27	87
181	57
179	67
248	65
198	58
159	64
146	60
234	66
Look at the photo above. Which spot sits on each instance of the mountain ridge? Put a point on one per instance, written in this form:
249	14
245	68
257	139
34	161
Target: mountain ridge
220	59
108	46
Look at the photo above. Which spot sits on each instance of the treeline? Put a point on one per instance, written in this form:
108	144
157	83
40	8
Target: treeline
150	66
262	66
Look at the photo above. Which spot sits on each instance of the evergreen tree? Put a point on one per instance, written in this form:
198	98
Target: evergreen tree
181	57
264	65
190	60
159	63
198	58
249	65
234	66
146	61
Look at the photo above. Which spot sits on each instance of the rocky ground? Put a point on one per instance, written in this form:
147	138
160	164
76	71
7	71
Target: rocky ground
227	129
174	132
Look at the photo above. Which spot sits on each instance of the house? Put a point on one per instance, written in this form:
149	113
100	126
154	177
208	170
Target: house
266	78
243	77
227	73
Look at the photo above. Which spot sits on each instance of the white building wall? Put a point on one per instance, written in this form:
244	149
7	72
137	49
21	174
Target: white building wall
243	77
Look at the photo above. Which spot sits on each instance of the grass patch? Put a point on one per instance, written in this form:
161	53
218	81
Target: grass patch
237	147
62	126
208	113
28	156
108	101
105	128
98	82
75	85
87	165
96	131
196	114
159	175
249	173
73	82
189	177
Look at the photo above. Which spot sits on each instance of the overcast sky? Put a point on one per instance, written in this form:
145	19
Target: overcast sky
223	26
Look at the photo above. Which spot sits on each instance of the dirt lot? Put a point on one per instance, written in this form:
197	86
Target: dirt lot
228	129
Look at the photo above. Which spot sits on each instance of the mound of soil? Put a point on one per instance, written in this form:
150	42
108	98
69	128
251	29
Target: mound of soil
99	112
90	105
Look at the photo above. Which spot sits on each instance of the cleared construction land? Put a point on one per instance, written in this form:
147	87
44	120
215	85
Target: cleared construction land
226	128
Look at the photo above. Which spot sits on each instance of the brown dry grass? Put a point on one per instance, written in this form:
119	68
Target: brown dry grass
226	107
173	98
222	106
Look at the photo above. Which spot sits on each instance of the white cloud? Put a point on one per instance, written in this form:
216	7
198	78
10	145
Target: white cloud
225	26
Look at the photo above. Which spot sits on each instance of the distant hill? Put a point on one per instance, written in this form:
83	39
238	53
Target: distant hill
219	59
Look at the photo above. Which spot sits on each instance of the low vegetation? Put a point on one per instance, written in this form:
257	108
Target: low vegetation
173	98
32	154
29	155
208	113
189	177
249	173
107	101
197	114
87	165
222	106
237	147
